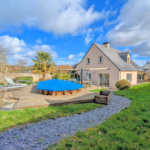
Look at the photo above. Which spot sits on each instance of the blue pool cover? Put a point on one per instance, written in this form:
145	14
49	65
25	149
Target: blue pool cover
58	85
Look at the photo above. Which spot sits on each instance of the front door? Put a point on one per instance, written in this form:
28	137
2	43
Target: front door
104	80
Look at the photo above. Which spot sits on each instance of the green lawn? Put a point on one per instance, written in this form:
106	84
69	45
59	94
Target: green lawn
28	78
97	90
14	118
1	83
126	130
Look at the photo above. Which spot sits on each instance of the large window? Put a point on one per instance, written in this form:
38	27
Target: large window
104	80
100	59
88	60
129	77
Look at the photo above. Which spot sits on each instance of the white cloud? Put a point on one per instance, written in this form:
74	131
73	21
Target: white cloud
75	56
90	33
71	59
88	39
60	17
71	56
81	54
13	44
126	50
133	24
140	63
135	55
45	48
19	50
39	41
142	49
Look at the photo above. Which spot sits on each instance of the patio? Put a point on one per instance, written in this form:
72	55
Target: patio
29	97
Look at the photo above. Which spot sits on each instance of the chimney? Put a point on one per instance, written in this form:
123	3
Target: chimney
106	45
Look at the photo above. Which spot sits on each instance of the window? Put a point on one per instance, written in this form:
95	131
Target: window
89	76
100	59
129	77
88	60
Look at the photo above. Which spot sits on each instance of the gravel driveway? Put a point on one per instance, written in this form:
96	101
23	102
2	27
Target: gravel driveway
40	135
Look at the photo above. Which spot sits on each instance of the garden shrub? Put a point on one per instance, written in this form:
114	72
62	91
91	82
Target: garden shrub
62	76
123	84
1	83
146	77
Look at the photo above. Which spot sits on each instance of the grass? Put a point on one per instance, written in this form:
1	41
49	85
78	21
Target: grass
97	90
28	78
1	83
126	130
9	119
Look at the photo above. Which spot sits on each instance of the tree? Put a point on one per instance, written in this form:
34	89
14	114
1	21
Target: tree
43	63
22	64
6	68
146	76
3	55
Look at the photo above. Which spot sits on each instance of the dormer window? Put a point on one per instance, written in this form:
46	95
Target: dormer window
100	59
88	60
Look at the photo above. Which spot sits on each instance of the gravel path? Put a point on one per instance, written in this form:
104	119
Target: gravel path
40	135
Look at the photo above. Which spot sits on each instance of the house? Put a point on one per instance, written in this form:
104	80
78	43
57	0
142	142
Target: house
119	63
146	67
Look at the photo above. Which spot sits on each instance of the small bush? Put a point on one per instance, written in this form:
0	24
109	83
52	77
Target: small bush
1	83
123	85
63	76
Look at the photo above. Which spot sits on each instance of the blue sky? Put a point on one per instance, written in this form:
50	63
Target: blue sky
67	28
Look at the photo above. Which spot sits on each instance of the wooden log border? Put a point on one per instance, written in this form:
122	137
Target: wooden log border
55	93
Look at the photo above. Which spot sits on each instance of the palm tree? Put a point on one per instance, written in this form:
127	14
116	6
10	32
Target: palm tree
43	63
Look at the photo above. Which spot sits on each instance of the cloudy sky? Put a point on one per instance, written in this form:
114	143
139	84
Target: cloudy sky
67	28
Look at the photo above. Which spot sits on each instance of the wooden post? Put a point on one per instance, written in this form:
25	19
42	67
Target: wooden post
102	78
58	74
81	76
141	76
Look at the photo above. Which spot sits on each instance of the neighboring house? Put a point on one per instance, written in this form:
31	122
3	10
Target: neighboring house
146	67
120	65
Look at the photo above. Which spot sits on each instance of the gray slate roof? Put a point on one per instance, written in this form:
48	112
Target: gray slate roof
118	58
147	66
74	66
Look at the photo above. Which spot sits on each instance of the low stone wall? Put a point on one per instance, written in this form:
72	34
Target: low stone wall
36	77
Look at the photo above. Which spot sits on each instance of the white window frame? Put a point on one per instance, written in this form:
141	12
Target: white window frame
88	61
130	75
101	59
